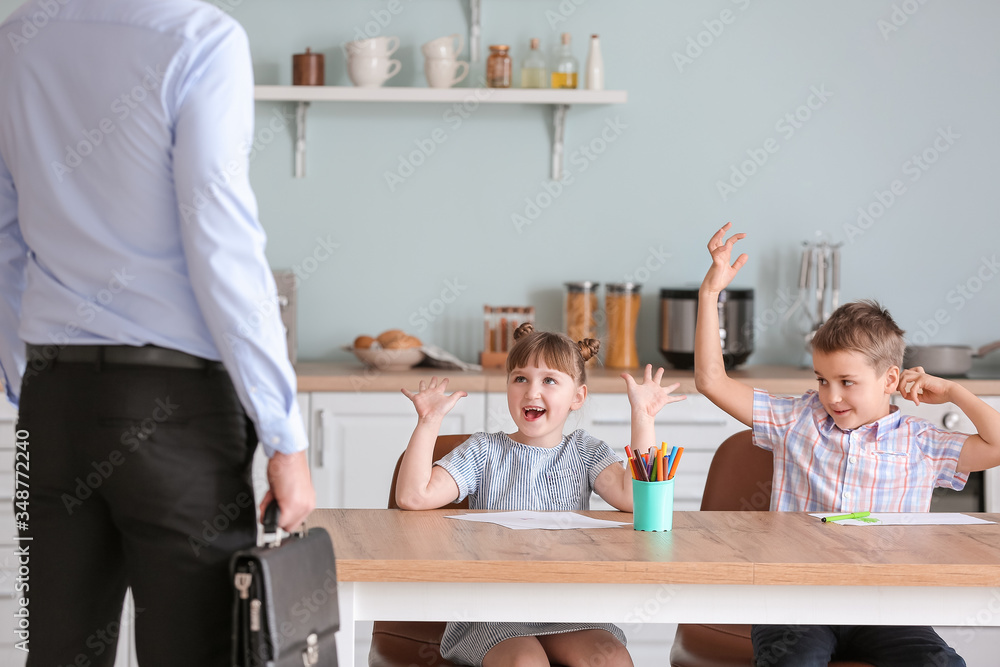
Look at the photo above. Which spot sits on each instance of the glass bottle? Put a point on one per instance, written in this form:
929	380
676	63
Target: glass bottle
498	67
580	320
595	65
621	305
565	68
533	69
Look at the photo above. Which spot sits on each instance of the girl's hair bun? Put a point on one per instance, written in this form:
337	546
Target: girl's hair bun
524	330
588	348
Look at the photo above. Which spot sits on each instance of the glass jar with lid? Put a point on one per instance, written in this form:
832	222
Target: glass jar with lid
498	67
621	306
580	312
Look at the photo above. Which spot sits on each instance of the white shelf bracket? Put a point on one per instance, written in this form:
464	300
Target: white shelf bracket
475	29
300	139
558	139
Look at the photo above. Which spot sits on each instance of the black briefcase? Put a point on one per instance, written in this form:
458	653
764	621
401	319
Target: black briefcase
285	610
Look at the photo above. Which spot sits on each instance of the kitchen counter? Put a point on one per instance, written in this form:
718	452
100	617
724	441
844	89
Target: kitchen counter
326	376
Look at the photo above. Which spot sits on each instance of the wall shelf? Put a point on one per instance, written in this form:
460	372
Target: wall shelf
560	100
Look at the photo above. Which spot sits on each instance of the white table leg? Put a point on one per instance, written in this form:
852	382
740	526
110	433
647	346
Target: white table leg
345	636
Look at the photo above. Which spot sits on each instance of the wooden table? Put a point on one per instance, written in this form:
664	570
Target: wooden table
720	567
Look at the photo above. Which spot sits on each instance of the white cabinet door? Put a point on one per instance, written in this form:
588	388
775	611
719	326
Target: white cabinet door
695	424
358	437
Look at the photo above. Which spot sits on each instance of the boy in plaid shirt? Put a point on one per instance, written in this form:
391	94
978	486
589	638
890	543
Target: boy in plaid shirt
844	448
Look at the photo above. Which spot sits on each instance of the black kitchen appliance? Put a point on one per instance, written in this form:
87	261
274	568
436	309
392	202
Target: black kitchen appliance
679	314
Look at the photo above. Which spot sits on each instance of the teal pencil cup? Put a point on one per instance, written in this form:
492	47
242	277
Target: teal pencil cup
652	505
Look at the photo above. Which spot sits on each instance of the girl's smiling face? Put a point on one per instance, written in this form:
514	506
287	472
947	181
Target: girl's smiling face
540	399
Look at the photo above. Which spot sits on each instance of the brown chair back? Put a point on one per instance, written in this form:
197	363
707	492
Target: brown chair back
407	643
739	479
443	445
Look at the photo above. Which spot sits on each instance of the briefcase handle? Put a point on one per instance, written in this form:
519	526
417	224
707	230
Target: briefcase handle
270	519
272	514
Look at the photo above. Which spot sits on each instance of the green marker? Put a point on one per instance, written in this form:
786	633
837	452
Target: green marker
855	515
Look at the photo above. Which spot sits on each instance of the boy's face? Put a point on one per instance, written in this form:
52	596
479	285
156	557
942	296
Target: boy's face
850	389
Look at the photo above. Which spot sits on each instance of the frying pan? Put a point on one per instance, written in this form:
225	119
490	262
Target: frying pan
945	359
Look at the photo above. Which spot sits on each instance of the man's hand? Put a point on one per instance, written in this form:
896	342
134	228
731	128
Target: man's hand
291	487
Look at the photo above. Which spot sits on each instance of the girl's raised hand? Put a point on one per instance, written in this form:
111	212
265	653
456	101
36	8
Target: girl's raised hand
722	272
431	401
648	397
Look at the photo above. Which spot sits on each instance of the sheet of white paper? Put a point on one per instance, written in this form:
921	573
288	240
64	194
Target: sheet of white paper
528	520
907	519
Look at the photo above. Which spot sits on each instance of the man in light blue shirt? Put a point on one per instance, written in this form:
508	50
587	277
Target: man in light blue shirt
138	325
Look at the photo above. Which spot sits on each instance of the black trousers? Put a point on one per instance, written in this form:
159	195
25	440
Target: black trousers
140	477
880	645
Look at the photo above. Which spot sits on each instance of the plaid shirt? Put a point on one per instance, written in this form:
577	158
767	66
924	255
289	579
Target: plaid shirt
889	465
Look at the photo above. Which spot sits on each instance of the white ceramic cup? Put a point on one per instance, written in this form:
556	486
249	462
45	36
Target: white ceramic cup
444	47
376	47
368	72
442	72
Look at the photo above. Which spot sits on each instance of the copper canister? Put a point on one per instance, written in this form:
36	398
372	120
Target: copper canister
307	69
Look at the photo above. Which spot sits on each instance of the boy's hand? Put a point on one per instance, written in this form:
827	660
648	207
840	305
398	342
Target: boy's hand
721	272
649	397
916	385
430	399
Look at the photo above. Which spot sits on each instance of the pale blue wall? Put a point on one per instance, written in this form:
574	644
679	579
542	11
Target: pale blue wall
656	186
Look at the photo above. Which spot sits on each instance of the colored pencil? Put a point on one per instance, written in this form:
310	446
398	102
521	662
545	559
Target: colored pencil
673	466
631	462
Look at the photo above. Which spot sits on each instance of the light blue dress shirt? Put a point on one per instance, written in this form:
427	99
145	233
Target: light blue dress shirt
126	213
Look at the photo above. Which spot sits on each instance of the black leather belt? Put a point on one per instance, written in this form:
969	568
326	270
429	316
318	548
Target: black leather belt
125	355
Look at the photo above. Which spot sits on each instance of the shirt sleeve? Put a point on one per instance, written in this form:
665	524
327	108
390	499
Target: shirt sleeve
222	238
773	416
465	464
13	258
943	448
597	455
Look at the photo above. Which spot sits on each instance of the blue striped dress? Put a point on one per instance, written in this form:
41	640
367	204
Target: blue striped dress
497	473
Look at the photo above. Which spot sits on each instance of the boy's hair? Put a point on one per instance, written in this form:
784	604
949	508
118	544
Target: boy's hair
555	350
864	327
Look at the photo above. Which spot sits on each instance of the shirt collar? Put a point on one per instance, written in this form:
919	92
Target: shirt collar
824	422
